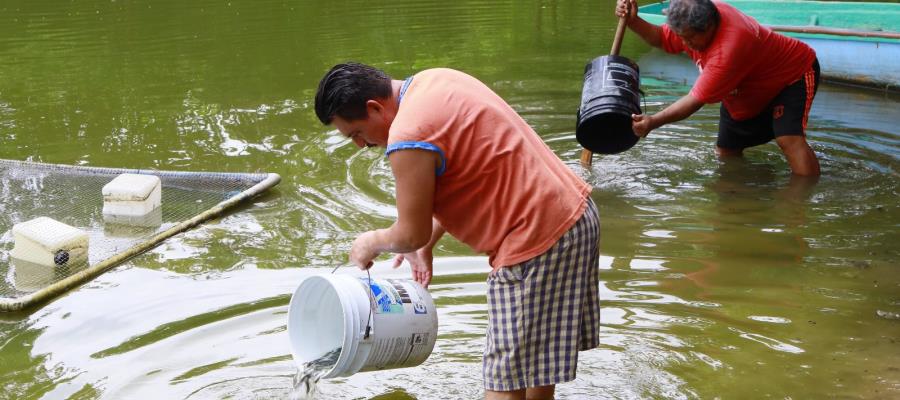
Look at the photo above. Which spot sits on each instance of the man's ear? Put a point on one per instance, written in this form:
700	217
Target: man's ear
374	106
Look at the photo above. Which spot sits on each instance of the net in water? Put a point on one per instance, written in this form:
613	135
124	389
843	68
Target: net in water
73	195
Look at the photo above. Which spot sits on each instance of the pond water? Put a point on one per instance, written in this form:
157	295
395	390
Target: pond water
719	280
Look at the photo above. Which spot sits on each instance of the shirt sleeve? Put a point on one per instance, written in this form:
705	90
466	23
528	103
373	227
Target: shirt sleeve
417	127
411	125
671	43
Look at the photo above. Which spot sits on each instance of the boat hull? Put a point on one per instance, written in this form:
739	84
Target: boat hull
865	63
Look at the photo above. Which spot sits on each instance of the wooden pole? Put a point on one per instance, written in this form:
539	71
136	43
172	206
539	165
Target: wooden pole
587	157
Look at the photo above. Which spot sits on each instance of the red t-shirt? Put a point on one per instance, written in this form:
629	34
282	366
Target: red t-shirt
746	65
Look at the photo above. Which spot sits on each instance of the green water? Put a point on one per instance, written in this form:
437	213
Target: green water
718	280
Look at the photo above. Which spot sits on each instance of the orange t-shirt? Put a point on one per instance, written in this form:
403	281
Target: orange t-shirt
500	189
746	65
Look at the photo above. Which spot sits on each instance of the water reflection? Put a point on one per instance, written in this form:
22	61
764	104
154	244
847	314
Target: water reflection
756	213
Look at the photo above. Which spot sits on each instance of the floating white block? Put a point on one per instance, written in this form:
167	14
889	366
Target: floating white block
152	219
39	240
132	195
132	227
31	277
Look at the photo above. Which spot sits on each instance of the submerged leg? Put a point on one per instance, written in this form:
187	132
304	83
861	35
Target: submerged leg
532	393
799	155
511	395
723	152
540	393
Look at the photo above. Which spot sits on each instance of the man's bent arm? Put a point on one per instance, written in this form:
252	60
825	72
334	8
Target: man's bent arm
652	34
414	172
677	111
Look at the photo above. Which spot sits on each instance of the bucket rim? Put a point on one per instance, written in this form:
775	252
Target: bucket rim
348	310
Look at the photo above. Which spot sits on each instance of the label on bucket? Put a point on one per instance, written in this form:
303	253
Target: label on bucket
392	298
400	351
414	300
404	324
387	298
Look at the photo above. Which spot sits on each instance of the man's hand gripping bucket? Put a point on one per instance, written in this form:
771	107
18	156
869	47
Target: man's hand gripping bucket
373	324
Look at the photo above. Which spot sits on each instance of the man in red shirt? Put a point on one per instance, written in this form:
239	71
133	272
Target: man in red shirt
765	81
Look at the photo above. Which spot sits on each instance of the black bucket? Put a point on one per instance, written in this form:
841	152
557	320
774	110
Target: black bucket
610	95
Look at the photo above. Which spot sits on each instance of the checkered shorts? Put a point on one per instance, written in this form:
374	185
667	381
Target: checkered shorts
543	311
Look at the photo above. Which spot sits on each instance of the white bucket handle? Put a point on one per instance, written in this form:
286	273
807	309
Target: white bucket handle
371	296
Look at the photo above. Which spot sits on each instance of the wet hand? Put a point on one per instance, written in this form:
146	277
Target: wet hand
626	9
421	262
641	124
362	253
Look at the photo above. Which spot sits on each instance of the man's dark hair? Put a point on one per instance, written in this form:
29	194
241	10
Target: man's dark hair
345	89
697	15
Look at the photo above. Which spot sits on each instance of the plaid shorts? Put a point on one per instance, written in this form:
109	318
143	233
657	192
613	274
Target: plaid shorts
543	311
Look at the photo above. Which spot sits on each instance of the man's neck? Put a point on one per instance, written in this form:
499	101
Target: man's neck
395	90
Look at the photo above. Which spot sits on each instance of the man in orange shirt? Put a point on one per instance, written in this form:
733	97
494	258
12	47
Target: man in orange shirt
765	81
465	163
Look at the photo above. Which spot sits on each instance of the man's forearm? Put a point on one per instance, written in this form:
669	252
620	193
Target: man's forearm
396	239
677	111
652	34
437	231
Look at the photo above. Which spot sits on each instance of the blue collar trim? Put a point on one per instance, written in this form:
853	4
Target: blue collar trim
403	88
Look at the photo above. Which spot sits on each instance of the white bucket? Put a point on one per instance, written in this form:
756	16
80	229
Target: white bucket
334	311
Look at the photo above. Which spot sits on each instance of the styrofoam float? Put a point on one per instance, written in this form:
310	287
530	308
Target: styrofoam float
48	242
132	195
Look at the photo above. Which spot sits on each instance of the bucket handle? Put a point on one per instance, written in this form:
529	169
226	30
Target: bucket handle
371	301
